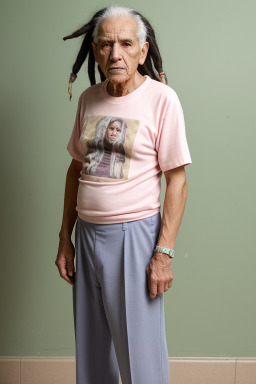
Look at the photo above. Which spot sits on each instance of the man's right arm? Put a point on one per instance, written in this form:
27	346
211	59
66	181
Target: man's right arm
66	251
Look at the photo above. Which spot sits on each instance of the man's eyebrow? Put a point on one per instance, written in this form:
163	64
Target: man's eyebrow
111	41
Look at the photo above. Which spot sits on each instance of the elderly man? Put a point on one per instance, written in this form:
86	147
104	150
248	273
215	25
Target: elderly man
123	247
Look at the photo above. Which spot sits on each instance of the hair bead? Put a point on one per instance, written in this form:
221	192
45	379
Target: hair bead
72	78
163	77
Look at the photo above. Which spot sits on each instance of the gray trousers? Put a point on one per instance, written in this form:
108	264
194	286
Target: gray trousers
118	327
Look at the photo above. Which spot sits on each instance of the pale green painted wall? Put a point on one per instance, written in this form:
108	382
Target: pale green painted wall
208	50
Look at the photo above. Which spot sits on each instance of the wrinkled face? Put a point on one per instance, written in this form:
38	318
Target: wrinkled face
113	131
118	48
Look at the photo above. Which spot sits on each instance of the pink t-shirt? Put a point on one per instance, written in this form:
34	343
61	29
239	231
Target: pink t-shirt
124	144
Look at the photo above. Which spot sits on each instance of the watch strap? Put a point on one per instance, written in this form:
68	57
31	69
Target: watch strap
169	251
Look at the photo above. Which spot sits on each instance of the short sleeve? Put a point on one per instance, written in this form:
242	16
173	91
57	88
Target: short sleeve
171	143
74	146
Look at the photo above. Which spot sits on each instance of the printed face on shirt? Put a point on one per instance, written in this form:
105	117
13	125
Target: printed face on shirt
117	51
113	131
107	142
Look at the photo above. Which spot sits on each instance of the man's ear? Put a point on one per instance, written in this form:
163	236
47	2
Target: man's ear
94	47
144	52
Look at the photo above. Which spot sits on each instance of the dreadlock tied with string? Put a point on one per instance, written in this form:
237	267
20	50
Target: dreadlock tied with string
153	63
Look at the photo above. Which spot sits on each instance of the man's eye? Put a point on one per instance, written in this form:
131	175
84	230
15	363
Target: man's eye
127	43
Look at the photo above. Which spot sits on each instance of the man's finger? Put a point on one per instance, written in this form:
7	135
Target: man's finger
70	271
70	281
63	274
153	289
160	289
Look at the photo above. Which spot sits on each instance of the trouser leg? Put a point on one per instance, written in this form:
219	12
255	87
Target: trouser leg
136	321
96	361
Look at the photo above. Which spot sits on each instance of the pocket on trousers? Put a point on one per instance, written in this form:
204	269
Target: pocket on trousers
155	227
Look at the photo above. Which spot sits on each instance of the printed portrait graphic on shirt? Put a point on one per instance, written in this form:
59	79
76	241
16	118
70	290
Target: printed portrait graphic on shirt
107	142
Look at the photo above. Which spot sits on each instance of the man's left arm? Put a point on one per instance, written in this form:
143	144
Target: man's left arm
159	270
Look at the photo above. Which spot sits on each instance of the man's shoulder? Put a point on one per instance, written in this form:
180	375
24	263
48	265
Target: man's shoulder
92	89
162	92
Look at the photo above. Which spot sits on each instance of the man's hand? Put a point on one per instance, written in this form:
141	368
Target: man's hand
65	261
160	276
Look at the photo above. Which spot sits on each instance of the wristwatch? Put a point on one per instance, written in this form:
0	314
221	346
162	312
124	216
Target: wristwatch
168	251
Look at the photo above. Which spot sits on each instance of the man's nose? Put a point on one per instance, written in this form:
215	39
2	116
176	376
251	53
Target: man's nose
115	52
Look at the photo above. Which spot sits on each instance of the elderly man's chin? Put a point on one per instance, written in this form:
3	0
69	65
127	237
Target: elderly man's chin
117	75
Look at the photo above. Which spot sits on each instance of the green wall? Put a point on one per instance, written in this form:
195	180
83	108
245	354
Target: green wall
208	50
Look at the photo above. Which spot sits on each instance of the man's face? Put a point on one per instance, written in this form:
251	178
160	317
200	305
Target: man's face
113	131
118	47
